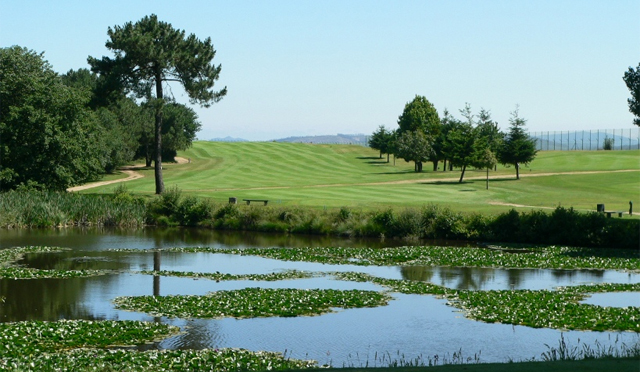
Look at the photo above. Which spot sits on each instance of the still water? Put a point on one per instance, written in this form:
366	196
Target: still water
411	325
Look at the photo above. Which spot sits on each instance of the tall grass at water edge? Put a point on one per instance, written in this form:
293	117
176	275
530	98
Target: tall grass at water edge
564	226
26	209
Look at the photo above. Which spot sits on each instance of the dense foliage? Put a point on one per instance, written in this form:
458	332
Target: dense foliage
632	80
415	146
253	302
50	139
564	226
148	54
518	148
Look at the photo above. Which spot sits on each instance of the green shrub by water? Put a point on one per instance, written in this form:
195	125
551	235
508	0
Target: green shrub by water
563	226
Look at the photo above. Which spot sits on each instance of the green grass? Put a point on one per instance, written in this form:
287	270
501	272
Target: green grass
347	175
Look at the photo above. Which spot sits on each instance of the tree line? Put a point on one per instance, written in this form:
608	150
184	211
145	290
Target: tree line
473	141
61	130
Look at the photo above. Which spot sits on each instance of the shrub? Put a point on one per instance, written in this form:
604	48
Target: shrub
506	227
608	143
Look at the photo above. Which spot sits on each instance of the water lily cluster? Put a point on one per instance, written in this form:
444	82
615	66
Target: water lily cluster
535	258
253	302
89	345
218	276
11	270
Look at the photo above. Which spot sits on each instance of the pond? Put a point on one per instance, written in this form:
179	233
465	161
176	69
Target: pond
409	327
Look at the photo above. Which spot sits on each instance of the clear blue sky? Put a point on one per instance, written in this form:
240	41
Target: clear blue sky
301	67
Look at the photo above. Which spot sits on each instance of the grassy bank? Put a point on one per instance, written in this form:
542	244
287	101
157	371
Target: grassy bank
565	226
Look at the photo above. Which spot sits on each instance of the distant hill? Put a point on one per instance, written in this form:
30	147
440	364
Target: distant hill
228	139
342	139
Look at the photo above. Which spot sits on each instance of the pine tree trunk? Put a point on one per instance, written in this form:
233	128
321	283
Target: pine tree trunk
517	171
158	136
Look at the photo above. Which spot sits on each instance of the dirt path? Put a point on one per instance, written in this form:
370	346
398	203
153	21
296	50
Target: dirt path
129	170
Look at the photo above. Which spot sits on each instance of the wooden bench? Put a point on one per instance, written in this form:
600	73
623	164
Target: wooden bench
608	213
256	200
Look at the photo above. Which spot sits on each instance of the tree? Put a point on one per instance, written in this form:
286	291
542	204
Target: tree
381	141
414	146
632	79
461	147
518	148
150	53
488	129
485	158
119	116
420	114
179	127
448	123
48	137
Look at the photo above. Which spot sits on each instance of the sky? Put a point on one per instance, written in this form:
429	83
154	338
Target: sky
301	67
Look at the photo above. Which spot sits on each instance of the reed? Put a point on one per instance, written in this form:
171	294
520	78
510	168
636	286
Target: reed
29	209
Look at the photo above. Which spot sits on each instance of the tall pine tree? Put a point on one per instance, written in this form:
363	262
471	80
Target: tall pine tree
148	54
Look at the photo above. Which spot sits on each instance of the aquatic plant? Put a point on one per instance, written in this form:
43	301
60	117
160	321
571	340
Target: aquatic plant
33	337
218	276
25	209
542	257
253	302
558	309
28	273
10	270
564	351
218	360
395	285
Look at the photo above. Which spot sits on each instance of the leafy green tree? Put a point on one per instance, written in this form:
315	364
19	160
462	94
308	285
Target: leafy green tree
179	127
48	137
120	117
420	114
149	53
461	147
381	141
414	146
518	148
632	79
448	123
484	157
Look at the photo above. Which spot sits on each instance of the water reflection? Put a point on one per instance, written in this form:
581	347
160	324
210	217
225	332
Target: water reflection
410	324
97	238
44	299
479	278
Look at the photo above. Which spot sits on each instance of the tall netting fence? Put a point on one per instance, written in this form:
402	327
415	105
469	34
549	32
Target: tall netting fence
597	139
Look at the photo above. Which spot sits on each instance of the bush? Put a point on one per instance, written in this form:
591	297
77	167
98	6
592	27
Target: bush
608	144
562	226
